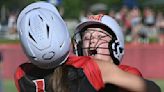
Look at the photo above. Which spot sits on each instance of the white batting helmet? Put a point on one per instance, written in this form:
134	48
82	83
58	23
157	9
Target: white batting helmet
43	34
115	46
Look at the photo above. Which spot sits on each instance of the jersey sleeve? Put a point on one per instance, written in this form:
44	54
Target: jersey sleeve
30	78
131	70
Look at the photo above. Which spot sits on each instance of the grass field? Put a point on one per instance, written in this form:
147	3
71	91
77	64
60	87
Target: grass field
9	85
161	84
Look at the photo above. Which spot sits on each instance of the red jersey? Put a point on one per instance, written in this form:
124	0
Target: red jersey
92	71
130	69
87	76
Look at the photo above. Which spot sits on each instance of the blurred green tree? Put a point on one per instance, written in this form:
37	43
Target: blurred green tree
72	8
15	4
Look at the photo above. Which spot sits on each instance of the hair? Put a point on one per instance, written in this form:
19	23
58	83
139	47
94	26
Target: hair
58	81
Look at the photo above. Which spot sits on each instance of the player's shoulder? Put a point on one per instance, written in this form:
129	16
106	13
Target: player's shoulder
21	70
29	67
130	69
31	70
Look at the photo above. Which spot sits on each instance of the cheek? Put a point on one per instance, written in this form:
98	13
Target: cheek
85	44
103	44
105	49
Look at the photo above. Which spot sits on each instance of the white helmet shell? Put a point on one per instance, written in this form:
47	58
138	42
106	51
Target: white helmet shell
44	35
117	51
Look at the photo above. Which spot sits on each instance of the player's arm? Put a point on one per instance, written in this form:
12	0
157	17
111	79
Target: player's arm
112	74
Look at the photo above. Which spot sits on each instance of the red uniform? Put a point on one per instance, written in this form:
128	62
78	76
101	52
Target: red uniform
30	78
92	71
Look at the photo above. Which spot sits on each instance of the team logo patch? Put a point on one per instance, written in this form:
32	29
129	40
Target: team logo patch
96	17
40	85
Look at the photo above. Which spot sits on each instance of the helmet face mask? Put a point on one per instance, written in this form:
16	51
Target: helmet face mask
115	37
95	41
43	35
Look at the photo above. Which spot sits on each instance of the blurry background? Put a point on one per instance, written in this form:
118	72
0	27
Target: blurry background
142	22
